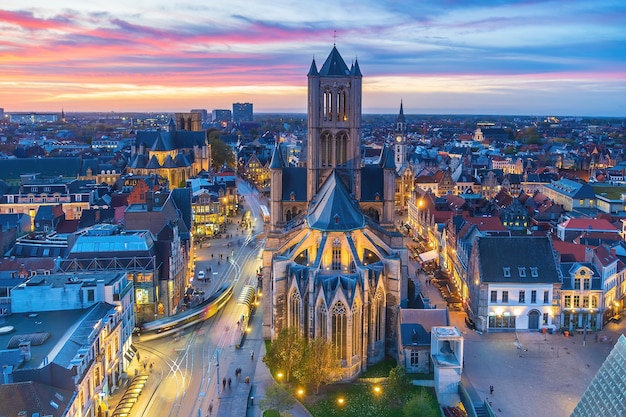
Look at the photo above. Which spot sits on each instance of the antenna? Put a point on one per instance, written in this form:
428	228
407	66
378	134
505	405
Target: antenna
335	37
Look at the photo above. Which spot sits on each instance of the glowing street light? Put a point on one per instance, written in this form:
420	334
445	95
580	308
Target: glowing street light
341	401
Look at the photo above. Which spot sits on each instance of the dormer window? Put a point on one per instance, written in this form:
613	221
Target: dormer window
507	271
336	219
522	271
377	197
292	196
534	272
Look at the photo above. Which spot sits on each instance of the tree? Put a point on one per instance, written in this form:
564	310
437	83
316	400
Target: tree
286	352
398	382
221	153
420	405
319	365
277	399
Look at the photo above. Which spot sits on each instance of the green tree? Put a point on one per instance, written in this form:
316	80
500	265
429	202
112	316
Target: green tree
286	352
398	383
319	365
277	399
221	153
420	405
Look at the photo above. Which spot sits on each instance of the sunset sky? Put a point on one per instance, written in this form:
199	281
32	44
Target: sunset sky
438	56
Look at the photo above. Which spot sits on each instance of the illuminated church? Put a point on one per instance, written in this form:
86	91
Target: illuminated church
334	266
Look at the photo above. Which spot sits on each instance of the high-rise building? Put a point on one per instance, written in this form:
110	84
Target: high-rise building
203	113
242	112
223	116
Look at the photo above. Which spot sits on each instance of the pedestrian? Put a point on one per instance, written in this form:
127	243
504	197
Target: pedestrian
229	382
251	355
138	357
251	400
224	383
210	408
491	389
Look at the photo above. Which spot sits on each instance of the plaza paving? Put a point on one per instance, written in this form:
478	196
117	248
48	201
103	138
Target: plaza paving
546	377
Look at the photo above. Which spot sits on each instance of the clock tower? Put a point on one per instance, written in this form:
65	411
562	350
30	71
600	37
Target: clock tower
399	139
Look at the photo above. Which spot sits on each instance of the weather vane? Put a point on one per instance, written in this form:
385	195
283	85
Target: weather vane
335	37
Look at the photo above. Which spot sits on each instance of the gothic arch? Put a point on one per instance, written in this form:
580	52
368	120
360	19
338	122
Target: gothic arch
321	319
294	313
342	149
326	149
372	213
339	329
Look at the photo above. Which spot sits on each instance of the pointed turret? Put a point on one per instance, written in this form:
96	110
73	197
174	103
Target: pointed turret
355	70
313	70
171	126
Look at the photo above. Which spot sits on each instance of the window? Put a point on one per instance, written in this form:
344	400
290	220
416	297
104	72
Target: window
507	271
522	297
336	262
533	296
546	297
340	330
90	295
545	318
577	283
594	301
586	301
586	284
567	301
576	302
322	321
533	272
522	271
415	358
494	296
294	310
505	296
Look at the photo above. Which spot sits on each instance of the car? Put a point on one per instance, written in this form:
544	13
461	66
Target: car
201	275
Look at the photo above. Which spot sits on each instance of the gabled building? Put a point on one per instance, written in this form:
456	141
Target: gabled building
513	282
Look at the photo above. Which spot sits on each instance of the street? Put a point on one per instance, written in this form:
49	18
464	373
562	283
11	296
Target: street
187	371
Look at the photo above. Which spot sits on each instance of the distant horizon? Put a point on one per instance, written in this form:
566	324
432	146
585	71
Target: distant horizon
304	113
508	57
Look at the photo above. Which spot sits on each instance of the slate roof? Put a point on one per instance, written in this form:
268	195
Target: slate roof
334	209
334	66
567	268
47	167
294	181
416	325
518	253
372	175
573	189
33	398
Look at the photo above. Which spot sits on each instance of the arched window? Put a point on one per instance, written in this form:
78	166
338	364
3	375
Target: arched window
342	149
293	318
288	215
336	262
328	105
379	317
322	321
342	106
339	330
357	336
326	149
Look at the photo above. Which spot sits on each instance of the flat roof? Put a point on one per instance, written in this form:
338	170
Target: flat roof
56	323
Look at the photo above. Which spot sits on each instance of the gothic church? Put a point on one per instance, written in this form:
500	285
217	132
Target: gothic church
333	266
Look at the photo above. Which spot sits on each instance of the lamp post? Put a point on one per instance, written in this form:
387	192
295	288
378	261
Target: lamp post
217	365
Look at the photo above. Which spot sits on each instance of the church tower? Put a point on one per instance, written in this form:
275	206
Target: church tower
334	124
400	139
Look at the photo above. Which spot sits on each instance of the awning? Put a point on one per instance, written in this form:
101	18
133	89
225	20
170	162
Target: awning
247	296
130	353
428	256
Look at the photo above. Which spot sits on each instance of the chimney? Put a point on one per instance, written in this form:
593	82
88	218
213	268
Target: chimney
25	350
